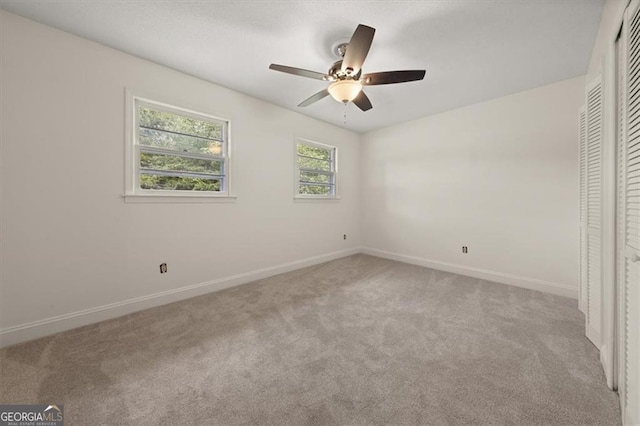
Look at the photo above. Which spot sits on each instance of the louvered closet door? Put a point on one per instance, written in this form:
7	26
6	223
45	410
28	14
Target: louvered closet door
593	187
582	298
629	229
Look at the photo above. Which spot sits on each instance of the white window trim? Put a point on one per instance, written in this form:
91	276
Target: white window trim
132	192
296	187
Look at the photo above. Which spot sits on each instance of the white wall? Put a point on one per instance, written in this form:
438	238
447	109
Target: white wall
69	241
500	177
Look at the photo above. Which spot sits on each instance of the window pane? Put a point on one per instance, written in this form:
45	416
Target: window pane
170	162
182	143
313	164
177	183
180	124
315	177
314	151
315	190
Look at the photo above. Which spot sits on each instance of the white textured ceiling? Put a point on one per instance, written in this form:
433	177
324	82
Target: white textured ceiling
473	50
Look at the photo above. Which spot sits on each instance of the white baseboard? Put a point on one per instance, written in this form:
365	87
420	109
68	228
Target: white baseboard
594	336
499	277
631	418
48	326
605	360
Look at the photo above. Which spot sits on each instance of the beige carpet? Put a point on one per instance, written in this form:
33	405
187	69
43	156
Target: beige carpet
359	340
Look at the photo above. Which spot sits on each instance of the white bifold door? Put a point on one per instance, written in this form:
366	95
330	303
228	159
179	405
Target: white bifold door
582	295
610	243
591	232
628	221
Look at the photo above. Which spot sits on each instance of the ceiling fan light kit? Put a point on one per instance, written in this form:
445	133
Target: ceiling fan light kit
346	74
345	90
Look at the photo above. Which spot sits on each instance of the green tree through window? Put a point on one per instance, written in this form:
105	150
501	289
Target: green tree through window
316	170
179	152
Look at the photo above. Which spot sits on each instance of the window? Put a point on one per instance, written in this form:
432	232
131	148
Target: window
177	152
315	170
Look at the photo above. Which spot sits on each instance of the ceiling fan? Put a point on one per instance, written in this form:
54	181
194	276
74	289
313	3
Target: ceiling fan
346	74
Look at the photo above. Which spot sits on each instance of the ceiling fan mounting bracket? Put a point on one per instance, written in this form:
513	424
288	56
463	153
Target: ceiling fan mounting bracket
339	48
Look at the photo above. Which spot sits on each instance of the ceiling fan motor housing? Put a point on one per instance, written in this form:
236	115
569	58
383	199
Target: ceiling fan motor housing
336	72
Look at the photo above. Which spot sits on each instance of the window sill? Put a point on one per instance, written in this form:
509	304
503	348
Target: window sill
178	198
316	199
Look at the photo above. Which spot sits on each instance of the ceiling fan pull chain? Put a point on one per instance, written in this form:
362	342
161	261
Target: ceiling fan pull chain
345	113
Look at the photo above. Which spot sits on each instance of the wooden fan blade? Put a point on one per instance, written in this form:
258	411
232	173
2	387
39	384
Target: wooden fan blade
298	71
362	101
358	49
392	77
314	98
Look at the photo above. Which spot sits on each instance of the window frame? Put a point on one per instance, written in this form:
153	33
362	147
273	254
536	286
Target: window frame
334	196
133	191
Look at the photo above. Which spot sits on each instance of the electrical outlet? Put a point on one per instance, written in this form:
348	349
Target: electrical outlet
344	237
163	268
465	249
